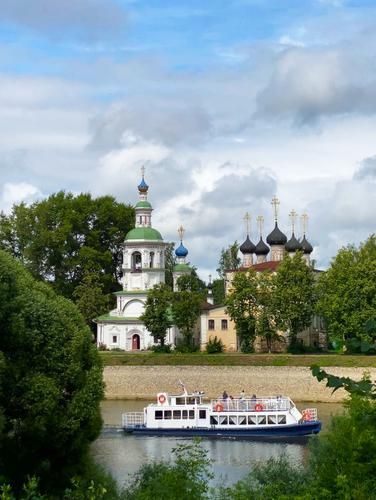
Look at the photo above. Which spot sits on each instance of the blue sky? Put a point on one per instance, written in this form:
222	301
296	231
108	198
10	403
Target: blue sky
227	103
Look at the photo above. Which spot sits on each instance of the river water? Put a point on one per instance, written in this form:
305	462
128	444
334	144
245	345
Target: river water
122	455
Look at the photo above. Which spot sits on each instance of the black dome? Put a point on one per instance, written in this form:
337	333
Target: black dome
262	248
293	244
247	246
306	246
276	237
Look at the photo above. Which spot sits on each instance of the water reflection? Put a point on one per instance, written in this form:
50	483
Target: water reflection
123	454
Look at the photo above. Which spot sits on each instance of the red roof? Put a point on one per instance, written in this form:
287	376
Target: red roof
270	265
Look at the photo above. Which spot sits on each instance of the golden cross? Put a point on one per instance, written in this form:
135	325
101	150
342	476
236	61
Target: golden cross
247	220
293	215
181	232
275	203
304	222
260	224
143	171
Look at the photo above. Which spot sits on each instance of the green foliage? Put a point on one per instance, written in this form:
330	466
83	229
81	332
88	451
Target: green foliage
347	295
165	348
218	288
191	282
294	296
64	236
228	260
170	262
51	383
89	298
214	346
241	305
157	315
186	309
185	479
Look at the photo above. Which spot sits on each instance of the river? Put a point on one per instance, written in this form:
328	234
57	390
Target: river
122	455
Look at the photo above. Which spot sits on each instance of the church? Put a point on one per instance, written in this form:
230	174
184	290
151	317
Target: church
144	256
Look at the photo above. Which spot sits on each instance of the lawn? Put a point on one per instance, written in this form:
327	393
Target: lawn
111	358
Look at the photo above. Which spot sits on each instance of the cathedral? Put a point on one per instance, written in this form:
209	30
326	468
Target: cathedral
144	256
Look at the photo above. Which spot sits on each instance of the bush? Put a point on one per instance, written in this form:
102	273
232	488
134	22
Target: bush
214	345
161	348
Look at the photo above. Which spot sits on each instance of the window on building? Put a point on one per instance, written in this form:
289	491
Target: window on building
151	260
211	324
136	261
114	339
224	324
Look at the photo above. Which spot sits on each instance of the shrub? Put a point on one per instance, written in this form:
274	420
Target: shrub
214	345
161	348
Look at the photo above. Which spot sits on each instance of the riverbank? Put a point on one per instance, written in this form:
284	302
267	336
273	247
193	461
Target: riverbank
144	382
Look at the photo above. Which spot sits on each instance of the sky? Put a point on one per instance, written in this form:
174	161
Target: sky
226	103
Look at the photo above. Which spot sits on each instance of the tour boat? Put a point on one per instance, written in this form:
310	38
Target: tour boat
188	415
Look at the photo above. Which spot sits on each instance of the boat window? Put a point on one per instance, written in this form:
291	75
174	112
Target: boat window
232	420
251	420
272	419
202	414
213	420
191	401
185	414
176	414
242	420
261	420
167	414
223	420
158	415
191	414
180	401
281	419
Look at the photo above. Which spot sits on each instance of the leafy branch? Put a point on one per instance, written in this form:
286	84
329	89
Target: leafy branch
365	387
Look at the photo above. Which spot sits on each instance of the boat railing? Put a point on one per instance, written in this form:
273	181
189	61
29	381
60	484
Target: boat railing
251	404
309	414
132	419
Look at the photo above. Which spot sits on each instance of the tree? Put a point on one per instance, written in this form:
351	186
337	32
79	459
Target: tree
218	288
90	300
242	305
192	283
186	309
229	259
50	385
170	262
64	236
157	315
347	293
294	296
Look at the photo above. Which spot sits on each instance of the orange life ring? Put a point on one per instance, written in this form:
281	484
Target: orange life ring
162	398
259	407
218	407
306	415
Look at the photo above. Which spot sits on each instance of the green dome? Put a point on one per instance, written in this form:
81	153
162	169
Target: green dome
144	233
182	267
143	204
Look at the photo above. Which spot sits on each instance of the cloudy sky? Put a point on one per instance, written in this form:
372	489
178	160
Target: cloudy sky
226	102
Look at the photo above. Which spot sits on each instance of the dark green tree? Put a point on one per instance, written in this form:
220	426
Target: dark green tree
347	293
218	287
157	315
90	300
228	259
192	282
242	306
186	309
294	296
64	236
50	385
170	262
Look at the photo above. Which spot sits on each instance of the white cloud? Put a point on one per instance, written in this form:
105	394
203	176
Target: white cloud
17	193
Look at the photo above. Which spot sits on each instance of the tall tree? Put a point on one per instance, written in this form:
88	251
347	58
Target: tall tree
229	259
294	296
64	236
347	293
186	309
157	315
242	306
218	288
50	384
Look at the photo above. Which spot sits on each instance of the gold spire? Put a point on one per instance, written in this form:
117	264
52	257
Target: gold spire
293	216
275	202
247	220
181	232
260	224
304	222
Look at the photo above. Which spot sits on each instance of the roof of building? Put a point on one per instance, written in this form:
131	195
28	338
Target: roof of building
206	306
143	204
262	248
182	267
247	246
181	251
276	237
270	265
306	245
143	187
293	245
144	233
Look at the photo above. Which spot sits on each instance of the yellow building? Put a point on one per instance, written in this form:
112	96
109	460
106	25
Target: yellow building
215	322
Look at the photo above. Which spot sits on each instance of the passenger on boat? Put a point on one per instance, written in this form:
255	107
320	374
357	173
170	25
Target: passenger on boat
242	394
224	395
253	401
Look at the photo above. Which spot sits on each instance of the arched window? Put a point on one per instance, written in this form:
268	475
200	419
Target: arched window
151	260
136	262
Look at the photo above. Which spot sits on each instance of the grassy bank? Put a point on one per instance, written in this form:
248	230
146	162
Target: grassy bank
235	359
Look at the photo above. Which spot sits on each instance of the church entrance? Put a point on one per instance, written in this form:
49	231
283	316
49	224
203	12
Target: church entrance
135	342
